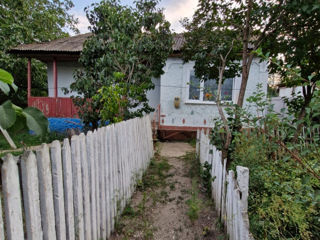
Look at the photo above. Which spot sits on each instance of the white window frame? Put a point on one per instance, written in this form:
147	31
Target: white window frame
201	101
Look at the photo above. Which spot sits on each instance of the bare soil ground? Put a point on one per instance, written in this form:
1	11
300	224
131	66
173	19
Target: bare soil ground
170	202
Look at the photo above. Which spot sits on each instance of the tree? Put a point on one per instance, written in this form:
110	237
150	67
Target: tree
128	47
28	21
298	48
216	23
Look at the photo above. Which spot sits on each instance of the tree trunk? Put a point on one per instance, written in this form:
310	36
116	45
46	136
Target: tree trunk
246	59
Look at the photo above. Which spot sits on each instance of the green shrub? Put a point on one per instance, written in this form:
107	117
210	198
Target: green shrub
284	187
283	198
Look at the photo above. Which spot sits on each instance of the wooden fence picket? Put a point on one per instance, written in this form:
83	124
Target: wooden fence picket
113	176
1	220
85	187
107	179
57	179
226	190
77	188
103	224
68	189
12	198
97	178
30	187
91	168
46	193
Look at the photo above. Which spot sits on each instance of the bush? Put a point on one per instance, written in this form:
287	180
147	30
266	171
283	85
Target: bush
284	188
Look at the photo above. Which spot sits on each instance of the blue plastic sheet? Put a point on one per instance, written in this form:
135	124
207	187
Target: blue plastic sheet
63	124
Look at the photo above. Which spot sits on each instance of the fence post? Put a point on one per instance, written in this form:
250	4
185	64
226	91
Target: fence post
96	170
46	193
108	180
12	198
85	186
243	184
91	167
77	188
31	197
57	179
102	183
1	221
68	191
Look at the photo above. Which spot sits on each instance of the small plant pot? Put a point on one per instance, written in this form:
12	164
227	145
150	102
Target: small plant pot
176	102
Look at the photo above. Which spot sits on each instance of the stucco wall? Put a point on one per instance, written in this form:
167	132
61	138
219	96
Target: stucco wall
65	77
174	83
154	95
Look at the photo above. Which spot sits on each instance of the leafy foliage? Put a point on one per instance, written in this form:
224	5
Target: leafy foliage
205	175
298	45
220	25
284	197
14	118
28	21
128	47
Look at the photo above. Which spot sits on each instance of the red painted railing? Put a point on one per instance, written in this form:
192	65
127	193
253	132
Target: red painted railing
54	107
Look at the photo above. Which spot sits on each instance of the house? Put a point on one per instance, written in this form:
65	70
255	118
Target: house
278	102
181	105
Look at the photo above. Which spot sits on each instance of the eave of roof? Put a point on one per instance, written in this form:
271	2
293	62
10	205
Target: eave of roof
71	46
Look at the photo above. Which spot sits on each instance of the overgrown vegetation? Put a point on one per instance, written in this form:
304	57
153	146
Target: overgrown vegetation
194	202
201	181
284	193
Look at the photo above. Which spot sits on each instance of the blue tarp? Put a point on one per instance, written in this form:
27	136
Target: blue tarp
62	124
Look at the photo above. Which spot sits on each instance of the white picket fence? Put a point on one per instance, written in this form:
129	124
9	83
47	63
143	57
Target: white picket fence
230	194
74	191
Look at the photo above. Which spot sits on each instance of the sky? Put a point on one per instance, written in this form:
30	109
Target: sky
174	10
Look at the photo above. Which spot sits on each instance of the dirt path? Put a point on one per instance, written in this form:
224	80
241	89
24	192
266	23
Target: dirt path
170	202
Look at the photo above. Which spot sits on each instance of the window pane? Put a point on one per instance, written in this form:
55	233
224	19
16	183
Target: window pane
210	89
226	91
194	87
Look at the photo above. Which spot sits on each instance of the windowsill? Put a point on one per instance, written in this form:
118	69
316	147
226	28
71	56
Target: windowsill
197	102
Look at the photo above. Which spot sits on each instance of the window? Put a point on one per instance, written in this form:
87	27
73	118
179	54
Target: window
206	91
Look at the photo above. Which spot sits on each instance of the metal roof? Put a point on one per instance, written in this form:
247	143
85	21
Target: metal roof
74	45
68	44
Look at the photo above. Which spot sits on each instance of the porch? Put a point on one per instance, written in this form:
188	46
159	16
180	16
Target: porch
55	106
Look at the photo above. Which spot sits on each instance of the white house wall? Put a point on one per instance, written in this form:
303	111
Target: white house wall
65	77
154	95
174	83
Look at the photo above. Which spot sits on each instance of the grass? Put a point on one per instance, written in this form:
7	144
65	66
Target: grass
194	204
136	220
193	142
23	140
156	174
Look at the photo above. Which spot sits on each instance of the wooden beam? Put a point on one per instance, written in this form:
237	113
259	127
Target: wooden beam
29	77
55	79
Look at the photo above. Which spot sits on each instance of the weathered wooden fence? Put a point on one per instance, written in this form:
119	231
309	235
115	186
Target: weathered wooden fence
230	194
74	190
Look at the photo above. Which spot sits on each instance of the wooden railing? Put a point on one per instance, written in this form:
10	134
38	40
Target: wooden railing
54	107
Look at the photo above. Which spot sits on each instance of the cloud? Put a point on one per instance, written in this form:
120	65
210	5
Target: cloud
175	10
83	22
